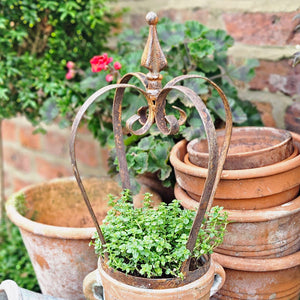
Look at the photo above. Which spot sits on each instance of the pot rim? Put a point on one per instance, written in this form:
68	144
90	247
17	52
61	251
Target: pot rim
252	215
44	229
204	277
258	264
271	130
265	171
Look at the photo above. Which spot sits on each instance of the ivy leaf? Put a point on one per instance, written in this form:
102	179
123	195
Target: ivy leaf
133	59
49	111
170	35
200	49
160	153
138	160
238	115
131	104
245	72
220	39
3	93
207	65
195	30
146	143
165	173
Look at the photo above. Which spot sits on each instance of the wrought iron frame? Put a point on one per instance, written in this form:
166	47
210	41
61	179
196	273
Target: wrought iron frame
154	60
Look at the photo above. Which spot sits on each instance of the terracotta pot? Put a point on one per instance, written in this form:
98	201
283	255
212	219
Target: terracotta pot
242	189
274	278
293	155
57	228
263	233
201	288
250	147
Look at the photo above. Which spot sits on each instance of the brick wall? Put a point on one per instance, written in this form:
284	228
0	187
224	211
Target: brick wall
262	29
32	158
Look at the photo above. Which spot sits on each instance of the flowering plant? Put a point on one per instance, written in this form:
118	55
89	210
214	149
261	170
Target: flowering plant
98	63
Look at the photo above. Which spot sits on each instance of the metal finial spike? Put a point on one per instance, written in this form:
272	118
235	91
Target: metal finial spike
152	18
153	57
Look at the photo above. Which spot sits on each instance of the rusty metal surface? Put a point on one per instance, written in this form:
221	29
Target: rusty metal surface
154	60
160	283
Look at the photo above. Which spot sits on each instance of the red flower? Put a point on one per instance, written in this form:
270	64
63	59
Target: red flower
70	65
100	62
71	74
109	77
117	65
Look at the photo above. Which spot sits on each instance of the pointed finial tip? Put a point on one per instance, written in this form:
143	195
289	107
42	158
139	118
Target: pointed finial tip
152	18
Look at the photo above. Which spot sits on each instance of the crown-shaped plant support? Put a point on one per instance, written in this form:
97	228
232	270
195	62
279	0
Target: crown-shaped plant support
154	60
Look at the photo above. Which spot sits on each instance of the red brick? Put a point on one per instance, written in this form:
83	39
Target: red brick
16	159
56	143
262	28
183	15
19	184
277	76
265	110
87	152
7	179
82	129
8	130
50	170
28	139
177	15
291	117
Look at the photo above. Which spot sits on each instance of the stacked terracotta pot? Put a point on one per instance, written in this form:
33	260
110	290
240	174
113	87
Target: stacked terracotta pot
259	188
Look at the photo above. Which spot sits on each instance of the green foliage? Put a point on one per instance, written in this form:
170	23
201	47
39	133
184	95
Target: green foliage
14	260
20	204
151	242
190	48
37	37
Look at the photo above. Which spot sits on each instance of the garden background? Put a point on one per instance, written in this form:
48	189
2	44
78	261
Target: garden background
262	29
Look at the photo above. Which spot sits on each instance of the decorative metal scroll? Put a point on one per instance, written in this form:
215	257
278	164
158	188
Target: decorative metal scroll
154	60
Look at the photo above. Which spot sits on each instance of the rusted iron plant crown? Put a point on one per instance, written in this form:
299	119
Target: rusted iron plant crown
154	60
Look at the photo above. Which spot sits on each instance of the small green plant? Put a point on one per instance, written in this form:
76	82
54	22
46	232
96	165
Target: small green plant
14	260
151	242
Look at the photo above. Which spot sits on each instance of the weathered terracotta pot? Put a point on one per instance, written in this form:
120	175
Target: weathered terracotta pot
200	289
56	229
264	233
242	189
250	147
274	278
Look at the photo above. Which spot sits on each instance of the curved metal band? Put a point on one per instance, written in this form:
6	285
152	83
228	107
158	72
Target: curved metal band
228	126
212	165
117	125
75	126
